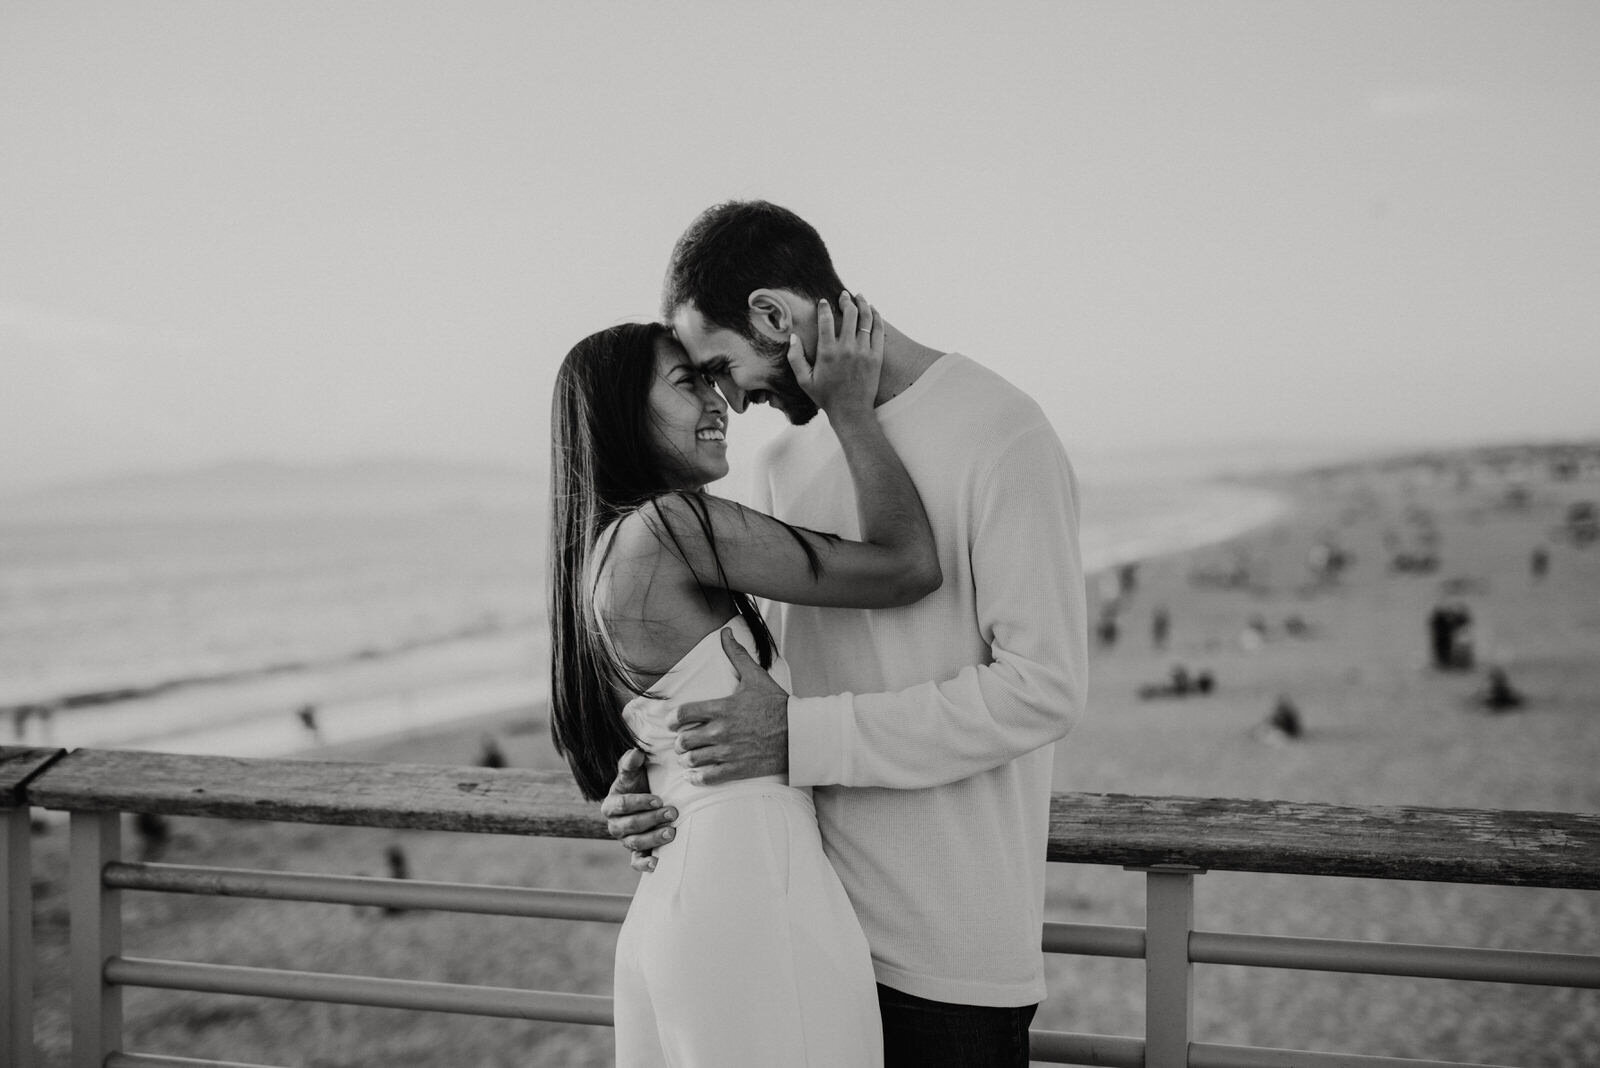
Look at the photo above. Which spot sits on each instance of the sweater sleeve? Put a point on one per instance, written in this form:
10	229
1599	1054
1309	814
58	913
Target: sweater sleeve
1030	601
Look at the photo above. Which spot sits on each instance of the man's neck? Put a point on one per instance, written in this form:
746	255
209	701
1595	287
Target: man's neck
904	360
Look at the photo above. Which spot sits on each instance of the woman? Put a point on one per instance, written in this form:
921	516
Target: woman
741	948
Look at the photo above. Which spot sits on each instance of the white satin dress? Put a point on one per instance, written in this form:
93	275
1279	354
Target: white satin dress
741	948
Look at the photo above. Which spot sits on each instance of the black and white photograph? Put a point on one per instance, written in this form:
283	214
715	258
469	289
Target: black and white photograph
713	535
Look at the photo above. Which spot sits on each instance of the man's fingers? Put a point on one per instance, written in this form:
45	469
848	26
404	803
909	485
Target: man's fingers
621	827
848	313
864	316
737	654
797	360
701	757
631	776
697	736
642	862
643	843
710	775
825	331
685	717
614	805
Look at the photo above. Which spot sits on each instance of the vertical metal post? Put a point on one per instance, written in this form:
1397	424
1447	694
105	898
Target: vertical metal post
96	912
16	949
1168	972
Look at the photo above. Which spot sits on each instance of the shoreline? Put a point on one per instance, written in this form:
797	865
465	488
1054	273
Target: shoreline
1229	509
300	713
74	700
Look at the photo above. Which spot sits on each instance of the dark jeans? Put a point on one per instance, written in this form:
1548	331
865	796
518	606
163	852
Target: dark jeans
918	1033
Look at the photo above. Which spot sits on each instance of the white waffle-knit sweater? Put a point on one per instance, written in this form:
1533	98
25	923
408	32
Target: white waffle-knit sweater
929	731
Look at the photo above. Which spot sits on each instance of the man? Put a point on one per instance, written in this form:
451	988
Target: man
928	731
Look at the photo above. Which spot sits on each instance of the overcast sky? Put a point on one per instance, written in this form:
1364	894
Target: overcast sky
319	231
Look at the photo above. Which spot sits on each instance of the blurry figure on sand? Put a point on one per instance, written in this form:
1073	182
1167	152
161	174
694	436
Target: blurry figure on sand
1450	636
307	715
1282	726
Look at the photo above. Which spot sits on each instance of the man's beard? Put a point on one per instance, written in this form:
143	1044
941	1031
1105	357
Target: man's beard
793	401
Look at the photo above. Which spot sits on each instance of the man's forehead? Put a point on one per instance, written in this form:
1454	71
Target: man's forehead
688	321
703	341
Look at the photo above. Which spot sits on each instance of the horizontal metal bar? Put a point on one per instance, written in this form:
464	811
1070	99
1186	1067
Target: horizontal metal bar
151	1060
1083	939
1206	1055
367	890
360	990
1102	1051
1393	958
1094	940
1205	947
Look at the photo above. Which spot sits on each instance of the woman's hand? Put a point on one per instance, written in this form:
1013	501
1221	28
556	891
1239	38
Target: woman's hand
844	379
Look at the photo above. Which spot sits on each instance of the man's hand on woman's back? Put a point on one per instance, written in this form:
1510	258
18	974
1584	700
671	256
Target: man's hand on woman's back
634	816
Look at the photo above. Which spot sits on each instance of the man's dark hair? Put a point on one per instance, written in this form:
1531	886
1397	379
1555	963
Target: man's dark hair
740	246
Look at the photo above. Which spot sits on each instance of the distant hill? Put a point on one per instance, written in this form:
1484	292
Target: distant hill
243	488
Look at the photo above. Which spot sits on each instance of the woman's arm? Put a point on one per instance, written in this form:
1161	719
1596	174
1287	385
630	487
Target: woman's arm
893	563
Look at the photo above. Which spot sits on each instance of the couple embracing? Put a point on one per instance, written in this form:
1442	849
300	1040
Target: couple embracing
823	720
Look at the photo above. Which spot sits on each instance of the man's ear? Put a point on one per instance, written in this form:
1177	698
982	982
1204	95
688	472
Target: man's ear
770	313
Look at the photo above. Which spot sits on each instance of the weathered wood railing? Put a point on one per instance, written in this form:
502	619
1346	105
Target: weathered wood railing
1170	839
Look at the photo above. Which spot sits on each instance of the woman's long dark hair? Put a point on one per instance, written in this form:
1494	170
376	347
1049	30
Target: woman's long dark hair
604	465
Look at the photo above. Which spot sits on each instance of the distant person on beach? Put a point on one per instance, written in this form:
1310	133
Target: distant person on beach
1180	684
154	832
928	732
1106	628
1127	580
1284	724
1501	696
399	868
743	949
492	756
1450	636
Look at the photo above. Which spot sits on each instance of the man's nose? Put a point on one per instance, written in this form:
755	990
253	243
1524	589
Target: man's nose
733	395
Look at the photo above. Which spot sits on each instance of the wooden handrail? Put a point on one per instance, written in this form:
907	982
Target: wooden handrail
1516	848
19	765
393	796
1505	847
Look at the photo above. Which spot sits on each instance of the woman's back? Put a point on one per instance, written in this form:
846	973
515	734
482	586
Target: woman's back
651	606
702	674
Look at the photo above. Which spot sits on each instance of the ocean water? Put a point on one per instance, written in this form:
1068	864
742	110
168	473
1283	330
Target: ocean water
142	629
91	608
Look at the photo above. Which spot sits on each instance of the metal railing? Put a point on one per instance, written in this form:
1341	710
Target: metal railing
1171	840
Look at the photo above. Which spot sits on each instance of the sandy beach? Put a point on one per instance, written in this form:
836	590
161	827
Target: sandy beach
1269	616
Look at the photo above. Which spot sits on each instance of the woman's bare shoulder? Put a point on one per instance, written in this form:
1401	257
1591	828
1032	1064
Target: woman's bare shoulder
677	523
666	531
